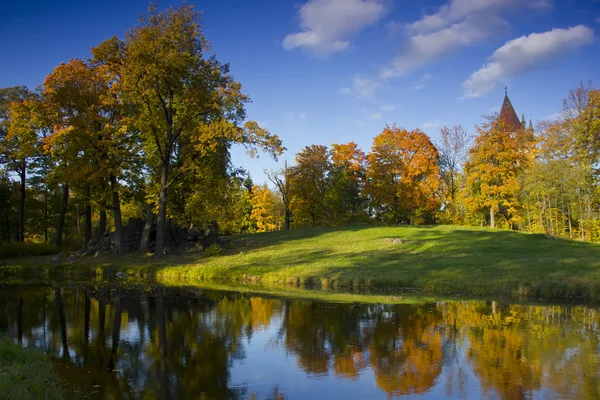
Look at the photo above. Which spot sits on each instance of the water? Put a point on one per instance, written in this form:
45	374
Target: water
154	342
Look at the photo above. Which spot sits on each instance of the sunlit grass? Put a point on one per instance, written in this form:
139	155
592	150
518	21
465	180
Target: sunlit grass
441	259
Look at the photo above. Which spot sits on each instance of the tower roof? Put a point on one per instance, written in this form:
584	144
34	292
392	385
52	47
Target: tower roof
509	115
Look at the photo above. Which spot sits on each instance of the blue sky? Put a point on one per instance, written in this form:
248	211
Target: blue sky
333	71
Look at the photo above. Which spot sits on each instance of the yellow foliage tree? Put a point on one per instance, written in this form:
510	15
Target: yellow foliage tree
262	209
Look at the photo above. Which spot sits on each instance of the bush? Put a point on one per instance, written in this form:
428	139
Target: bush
213	250
27	249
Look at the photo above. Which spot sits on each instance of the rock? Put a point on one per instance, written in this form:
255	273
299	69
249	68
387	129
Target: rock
72	258
56	258
395	241
122	274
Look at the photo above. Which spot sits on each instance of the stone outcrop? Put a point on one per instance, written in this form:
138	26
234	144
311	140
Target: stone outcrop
177	239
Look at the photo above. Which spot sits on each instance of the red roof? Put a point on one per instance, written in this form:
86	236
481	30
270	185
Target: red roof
509	115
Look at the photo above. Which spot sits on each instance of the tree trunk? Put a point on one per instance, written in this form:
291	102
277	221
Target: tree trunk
88	222
20	319
147	230
288	217
62	322
161	223
570	221
118	250
45	212
61	217
492	217
102	222
23	176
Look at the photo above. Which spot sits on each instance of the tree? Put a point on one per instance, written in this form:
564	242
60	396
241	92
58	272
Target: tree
346	181
282	179
453	147
492	170
403	175
262	209
18	138
96	146
310	185
185	104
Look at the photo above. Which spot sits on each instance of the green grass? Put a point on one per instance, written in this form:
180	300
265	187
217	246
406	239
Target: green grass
440	259
26	374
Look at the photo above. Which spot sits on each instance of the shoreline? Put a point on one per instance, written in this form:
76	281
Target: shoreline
441	260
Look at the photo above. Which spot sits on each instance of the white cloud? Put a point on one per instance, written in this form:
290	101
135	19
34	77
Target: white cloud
425	48
431	125
455	25
328	25
597	20
376	116
455	11
524	54
541	4
422	82
362	88
295	115
389	107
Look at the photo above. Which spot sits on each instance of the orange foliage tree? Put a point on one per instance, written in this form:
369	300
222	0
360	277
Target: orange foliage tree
403	176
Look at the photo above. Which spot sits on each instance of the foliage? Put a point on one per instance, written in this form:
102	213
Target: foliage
403	176
492	170
263	209
214	250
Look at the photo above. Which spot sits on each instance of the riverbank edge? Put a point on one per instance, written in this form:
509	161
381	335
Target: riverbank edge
163	271
26	373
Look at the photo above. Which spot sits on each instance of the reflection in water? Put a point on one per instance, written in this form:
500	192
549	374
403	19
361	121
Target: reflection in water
143	343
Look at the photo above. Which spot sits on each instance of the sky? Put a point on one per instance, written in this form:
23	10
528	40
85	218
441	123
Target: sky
334	71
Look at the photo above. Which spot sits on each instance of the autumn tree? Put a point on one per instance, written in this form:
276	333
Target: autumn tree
492	171
452	147
18	138
403	176
263	209
185	102
346	181
310	185
91	137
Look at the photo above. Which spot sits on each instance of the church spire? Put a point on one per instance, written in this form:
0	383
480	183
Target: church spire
523	123
508	113
530	126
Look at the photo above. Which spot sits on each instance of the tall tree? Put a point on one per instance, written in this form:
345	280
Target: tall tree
492	170
18	138
185	103
310	185
453	146
403	175
91	137
282	179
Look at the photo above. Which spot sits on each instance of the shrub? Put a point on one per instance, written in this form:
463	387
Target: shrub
27	249
213	250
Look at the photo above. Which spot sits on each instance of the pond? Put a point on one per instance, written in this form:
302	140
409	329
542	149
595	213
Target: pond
146	342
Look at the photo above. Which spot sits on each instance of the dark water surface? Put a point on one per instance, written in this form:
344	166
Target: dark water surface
126	342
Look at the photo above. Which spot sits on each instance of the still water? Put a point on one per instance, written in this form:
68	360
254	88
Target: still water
127	342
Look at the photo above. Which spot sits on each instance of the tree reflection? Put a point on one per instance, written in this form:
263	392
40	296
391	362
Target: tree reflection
134	343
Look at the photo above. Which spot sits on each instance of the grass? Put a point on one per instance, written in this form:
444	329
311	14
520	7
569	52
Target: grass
26	374
26	249
439	259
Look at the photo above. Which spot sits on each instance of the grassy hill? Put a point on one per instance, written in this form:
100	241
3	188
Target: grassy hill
441	259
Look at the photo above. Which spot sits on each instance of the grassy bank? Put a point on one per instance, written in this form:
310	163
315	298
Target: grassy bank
26	374
441	259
